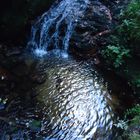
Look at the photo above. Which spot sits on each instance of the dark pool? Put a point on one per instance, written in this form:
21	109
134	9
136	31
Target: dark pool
75	101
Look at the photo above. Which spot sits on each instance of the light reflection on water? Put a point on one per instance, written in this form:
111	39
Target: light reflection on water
74	103
39	52
76	100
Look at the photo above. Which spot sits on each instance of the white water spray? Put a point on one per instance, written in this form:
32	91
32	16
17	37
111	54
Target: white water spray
60	19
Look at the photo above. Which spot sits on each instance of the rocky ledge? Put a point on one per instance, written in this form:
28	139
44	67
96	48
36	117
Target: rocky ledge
98	22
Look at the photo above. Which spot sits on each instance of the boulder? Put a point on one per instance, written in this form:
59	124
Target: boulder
97	23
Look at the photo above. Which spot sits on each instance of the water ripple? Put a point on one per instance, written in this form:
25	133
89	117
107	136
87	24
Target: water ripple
77	101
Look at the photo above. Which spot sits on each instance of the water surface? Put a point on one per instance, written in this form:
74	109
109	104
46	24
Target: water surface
73	102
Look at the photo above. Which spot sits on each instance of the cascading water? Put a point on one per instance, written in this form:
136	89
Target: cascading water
60	19
54	98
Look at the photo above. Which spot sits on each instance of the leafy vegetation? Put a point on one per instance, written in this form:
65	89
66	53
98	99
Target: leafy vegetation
136	82
130	124
129	29
126	38
130	26
123	53
133	129
133	111
134	136
116	55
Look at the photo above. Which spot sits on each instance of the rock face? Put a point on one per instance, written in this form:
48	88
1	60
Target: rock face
16	18
97	23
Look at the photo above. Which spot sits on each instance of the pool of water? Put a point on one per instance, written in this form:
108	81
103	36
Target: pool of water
75	102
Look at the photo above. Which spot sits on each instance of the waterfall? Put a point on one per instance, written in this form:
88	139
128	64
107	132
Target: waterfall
55	27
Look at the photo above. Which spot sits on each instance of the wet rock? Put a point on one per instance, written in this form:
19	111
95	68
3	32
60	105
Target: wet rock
10	56
96	61
38	78
13	51
96	22
21	70
6	87
5	137
115	6
2	106
99	134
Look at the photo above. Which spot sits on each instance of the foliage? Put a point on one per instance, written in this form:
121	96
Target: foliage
132	131
131	17
123	43
133	111
135	120
129	29
134	136
136	82
116	55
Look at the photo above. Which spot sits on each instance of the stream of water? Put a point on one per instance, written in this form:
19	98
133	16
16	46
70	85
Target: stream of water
60	20
75	101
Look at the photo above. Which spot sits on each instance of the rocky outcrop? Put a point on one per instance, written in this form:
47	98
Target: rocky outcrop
17	17
97	23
